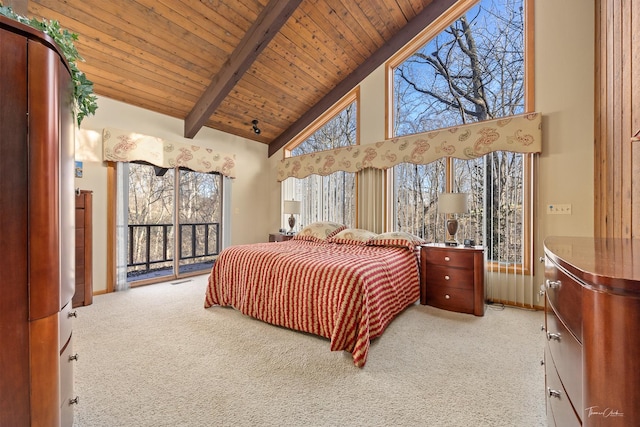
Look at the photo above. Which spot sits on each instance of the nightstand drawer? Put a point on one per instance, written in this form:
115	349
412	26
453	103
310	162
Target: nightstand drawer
450	257
279	237
438	275
454	299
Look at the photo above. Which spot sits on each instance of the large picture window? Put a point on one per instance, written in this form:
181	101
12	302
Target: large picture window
331	197
473	70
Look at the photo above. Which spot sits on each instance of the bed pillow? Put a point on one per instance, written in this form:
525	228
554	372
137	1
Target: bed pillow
352	236
319	231
396	239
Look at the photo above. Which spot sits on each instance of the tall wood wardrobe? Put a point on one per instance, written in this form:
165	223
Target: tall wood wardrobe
37	208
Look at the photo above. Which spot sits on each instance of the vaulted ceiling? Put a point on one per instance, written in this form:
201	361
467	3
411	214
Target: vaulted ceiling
224	63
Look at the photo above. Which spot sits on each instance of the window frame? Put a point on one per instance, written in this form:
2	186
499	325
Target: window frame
529	160
349	98
112	243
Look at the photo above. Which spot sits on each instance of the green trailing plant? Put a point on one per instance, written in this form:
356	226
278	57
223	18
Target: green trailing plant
85	101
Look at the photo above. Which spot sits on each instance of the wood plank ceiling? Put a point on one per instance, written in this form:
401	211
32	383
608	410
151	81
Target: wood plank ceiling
281	63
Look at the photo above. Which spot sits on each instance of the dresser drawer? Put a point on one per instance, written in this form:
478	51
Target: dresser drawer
79	238
560	411
438	275
449	298
67	362
66	374
566	353
80	201
565	296
65	322
450	257
79	218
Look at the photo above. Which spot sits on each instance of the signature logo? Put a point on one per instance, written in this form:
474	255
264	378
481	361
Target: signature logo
605	413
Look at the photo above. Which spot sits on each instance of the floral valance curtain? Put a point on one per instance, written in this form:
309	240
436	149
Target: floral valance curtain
521	134
125	146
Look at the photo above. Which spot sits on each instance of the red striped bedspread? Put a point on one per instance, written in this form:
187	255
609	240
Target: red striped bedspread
347	293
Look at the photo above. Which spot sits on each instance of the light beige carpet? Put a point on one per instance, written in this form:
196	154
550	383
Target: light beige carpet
153	356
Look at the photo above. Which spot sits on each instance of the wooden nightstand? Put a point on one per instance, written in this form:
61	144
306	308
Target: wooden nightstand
279	237
452	278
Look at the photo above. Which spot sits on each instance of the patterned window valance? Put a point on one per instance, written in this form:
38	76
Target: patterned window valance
125	146
521	134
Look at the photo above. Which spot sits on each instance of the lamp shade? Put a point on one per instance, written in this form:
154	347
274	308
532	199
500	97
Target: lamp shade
291	207
449	203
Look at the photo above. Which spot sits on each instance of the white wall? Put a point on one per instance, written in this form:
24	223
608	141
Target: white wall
564	85
565	95
250	192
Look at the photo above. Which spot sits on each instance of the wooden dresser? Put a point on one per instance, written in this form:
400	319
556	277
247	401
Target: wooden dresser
37	217
84	257
592	324
452	278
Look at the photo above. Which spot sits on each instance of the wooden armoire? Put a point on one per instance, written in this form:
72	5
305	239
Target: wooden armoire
37	208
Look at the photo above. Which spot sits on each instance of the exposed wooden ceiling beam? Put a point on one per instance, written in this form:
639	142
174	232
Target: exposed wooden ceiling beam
266	26
412	29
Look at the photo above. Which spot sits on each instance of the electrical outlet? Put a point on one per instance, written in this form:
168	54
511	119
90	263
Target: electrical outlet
559	209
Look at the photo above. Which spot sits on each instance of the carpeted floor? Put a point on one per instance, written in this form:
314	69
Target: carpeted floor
153	356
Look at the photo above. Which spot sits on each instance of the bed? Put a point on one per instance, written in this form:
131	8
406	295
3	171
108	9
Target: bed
343	284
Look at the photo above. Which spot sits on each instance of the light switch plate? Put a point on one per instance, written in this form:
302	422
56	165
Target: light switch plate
559	209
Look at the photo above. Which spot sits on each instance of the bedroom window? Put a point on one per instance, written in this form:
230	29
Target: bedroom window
331	197
472	70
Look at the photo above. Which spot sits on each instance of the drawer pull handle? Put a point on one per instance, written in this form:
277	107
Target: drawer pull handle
553	284
447	296
73	314
552	336
73	357
554	393
447	277
447	258
74	401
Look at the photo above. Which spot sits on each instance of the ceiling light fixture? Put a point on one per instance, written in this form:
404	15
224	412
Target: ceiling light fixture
256	129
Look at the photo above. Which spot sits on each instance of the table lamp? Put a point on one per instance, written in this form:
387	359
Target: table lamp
452	204
292	207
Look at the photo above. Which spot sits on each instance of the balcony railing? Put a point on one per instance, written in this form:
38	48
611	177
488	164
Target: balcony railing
198	241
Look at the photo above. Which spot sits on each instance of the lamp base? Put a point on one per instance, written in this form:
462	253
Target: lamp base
451	243
292	223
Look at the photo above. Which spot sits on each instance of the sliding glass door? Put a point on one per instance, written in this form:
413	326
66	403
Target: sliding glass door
173	222
199	214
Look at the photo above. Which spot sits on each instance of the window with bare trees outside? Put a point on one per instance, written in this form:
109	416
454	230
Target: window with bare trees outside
473	70
331	197
161	202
